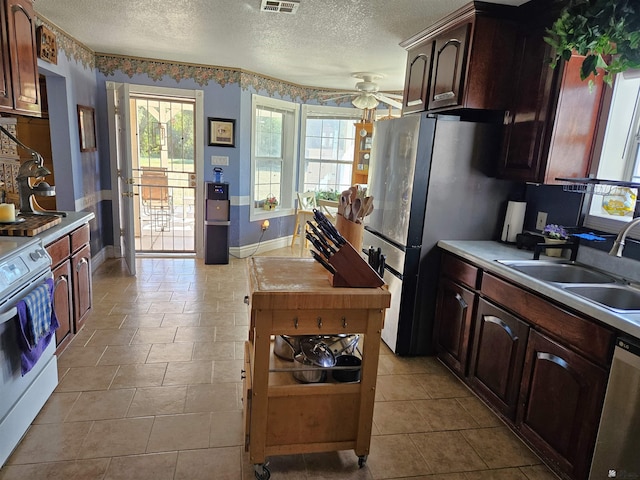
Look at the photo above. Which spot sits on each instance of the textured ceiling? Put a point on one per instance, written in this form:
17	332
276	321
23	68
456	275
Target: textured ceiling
319	46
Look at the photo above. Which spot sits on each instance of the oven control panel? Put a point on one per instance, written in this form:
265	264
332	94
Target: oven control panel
20	265
11	271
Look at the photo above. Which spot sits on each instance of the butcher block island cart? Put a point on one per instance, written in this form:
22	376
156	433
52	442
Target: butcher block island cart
294	296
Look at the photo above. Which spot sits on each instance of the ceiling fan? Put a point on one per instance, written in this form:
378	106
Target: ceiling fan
366	94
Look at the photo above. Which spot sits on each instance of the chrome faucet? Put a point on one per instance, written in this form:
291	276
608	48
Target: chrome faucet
618	244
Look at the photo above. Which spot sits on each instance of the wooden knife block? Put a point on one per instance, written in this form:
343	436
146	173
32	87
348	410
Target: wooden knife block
352	270
351	231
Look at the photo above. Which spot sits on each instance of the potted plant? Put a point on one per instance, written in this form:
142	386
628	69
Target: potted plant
270	203
554	234
605	32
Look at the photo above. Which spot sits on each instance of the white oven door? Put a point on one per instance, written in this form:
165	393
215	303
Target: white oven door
22	397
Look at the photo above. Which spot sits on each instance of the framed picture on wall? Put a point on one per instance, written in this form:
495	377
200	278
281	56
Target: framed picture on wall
87	126
222	132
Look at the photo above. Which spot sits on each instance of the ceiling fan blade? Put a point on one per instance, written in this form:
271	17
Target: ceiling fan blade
338	92
388	101
338	98
391	95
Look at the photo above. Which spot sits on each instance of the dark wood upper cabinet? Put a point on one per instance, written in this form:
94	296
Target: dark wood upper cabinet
418	73
577	113
463	61
448	67
19	85
6	94
552	119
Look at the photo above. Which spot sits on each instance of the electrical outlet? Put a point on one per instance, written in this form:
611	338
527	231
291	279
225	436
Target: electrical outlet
541	220
219	160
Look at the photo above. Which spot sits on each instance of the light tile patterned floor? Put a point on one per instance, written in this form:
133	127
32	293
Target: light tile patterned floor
150	389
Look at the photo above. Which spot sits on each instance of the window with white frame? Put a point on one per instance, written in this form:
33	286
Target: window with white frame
273	150
611	207
326	158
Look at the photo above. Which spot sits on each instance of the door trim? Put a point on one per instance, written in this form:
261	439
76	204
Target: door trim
198	96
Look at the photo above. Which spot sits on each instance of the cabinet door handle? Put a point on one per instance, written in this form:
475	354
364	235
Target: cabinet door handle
344	322
461	301
319	322
295	322
82	261
502	324
62	278
550	357
444	96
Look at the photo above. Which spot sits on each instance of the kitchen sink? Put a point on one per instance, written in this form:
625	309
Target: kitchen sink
616	297
559	272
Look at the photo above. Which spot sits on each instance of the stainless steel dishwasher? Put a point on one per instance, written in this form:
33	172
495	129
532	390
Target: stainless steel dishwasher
616	454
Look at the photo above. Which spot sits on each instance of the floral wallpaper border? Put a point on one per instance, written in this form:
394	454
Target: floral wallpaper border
201	74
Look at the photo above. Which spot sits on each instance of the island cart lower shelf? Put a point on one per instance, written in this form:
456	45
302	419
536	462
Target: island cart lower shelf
293	296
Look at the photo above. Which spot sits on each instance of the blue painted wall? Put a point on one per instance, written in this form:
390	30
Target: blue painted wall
83	179
79	176
228	101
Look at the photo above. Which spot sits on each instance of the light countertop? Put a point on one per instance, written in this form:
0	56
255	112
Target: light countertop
485	253
69	223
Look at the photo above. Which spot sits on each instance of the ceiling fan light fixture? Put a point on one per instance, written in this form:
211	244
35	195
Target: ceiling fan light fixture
365	101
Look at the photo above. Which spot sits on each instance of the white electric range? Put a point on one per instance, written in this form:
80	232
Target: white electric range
24	264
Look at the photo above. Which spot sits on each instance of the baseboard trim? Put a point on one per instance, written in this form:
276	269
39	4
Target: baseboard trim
249	250
111	251
100	257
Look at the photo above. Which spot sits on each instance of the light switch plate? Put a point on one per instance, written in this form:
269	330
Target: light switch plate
219	160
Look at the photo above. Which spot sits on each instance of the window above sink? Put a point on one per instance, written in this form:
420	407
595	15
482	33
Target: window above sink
619	158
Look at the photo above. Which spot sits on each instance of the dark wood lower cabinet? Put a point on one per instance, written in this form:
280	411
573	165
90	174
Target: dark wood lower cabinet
62	303
560	403
540	366
71	268
499	345
81	265
454	316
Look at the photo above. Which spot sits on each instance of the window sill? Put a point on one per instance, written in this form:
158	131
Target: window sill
262	214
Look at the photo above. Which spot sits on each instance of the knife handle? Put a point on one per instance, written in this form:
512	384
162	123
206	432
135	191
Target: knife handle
317	245
383	262
323	262
321	237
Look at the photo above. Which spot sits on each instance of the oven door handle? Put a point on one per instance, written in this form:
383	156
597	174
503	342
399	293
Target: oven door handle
8	315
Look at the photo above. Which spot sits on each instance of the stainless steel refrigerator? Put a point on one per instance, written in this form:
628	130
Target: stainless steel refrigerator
430	178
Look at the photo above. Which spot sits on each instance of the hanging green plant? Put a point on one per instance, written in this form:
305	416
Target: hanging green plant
606	32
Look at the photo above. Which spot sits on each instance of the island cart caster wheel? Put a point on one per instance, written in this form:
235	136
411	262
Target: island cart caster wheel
261	471
362	460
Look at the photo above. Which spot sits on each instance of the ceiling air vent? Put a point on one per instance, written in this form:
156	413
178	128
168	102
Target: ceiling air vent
280	6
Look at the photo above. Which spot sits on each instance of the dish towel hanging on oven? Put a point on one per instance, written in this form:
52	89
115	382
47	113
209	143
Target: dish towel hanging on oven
38	324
